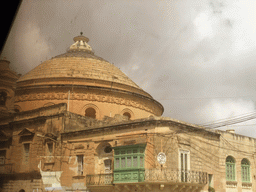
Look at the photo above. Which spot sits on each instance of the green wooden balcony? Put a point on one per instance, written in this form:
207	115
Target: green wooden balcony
129	176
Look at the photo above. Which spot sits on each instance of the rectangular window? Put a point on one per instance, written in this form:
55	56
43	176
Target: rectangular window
2	156
50	148
184	165
107	164
80	162
129	162
117	163
230	172
245	173
210	180
123	162
135	161
184	160
141	162
26	152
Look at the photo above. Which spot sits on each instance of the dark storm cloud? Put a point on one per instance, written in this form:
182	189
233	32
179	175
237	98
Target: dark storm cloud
197	57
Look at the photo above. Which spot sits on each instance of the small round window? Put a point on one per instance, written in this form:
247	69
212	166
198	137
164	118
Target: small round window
107	149
90	112
127	115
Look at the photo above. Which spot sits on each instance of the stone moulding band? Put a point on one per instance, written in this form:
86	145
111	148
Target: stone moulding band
88	97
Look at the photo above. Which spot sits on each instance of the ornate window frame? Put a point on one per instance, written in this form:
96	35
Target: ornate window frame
90	105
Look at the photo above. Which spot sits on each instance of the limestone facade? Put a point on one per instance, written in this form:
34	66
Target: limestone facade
8	80
80	124
68	152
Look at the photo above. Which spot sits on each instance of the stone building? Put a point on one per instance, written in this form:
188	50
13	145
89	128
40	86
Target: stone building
78	123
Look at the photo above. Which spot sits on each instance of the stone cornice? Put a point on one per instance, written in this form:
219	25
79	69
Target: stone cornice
7	84
43	112
139	122
75	81
111	97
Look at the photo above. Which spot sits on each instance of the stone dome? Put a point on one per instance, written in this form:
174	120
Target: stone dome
80	71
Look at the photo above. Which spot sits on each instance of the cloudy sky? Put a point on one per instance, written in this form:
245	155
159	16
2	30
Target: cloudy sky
196	57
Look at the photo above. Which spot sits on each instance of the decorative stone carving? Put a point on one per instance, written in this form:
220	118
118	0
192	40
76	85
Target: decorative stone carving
89	97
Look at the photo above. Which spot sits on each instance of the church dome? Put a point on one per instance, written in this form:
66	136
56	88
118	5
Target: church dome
78	72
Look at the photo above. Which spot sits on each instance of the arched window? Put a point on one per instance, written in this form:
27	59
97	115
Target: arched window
90	112
127	115
230	169
245	166
3	98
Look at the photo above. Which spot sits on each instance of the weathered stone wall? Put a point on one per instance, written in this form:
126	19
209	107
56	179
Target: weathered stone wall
105	102
239	147
8	80
73	135
35	185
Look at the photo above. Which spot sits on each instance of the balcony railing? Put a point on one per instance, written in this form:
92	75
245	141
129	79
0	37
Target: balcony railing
6	168
155	175
99	179
175	176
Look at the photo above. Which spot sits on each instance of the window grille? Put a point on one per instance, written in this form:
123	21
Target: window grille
230	169
245	166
